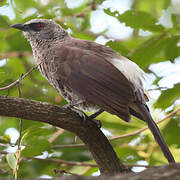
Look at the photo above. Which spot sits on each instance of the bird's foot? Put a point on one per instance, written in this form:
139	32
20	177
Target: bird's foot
67	106
85	117
73	103
97	122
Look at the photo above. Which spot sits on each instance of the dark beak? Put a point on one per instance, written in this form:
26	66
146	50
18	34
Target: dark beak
22	27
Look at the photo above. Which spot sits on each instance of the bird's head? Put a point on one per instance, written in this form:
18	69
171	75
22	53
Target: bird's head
41	29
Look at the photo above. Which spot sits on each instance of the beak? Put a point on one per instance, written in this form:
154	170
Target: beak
22	27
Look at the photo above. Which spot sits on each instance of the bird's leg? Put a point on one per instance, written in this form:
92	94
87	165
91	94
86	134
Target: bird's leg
82	114
96	114
85	117
73	103
93	116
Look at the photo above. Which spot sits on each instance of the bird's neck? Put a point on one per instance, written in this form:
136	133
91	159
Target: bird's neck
41	48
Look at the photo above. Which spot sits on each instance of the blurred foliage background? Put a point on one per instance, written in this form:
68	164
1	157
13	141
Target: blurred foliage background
146	32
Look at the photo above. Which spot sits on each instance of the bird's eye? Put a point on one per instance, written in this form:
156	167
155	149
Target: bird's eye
37	26
40	25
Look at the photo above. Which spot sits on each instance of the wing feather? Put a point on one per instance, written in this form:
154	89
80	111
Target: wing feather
99	82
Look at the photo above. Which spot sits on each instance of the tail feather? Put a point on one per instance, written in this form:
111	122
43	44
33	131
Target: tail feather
156	132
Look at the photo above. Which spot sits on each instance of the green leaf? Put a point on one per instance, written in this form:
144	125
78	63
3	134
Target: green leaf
176	19
167	3
125	152
98	1
11	159
170	131
4	21
36	147
3	3
168	97
35	132
82	35
145	54
23	5
86	21
172	50
12	40
71	12
5	139
118	47
39	131
137	19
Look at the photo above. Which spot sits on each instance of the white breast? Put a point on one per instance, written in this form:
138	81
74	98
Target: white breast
131	70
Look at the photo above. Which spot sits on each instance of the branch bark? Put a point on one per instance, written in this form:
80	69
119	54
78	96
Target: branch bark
88	132
166	172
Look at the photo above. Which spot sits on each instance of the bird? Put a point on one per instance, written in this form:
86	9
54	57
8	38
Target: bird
90	76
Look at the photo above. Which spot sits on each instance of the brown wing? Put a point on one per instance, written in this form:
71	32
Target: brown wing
93	78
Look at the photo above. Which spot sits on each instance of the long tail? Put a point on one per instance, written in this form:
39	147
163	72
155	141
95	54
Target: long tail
156	132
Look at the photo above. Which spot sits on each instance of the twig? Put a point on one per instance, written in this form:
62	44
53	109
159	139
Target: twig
2	157
18	80
18	152
63	171
3	165
158	88
31	76
84	171
56	135
68	146
15	54
70	163
74	163
3	152
2	29
3	145
121	136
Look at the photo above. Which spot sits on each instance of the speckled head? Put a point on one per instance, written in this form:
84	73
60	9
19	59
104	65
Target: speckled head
41	30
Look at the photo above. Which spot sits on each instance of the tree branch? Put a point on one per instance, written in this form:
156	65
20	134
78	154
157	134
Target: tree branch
89	133
166	172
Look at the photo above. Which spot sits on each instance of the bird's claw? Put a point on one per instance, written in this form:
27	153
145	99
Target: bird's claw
85	117
97	122
67	106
